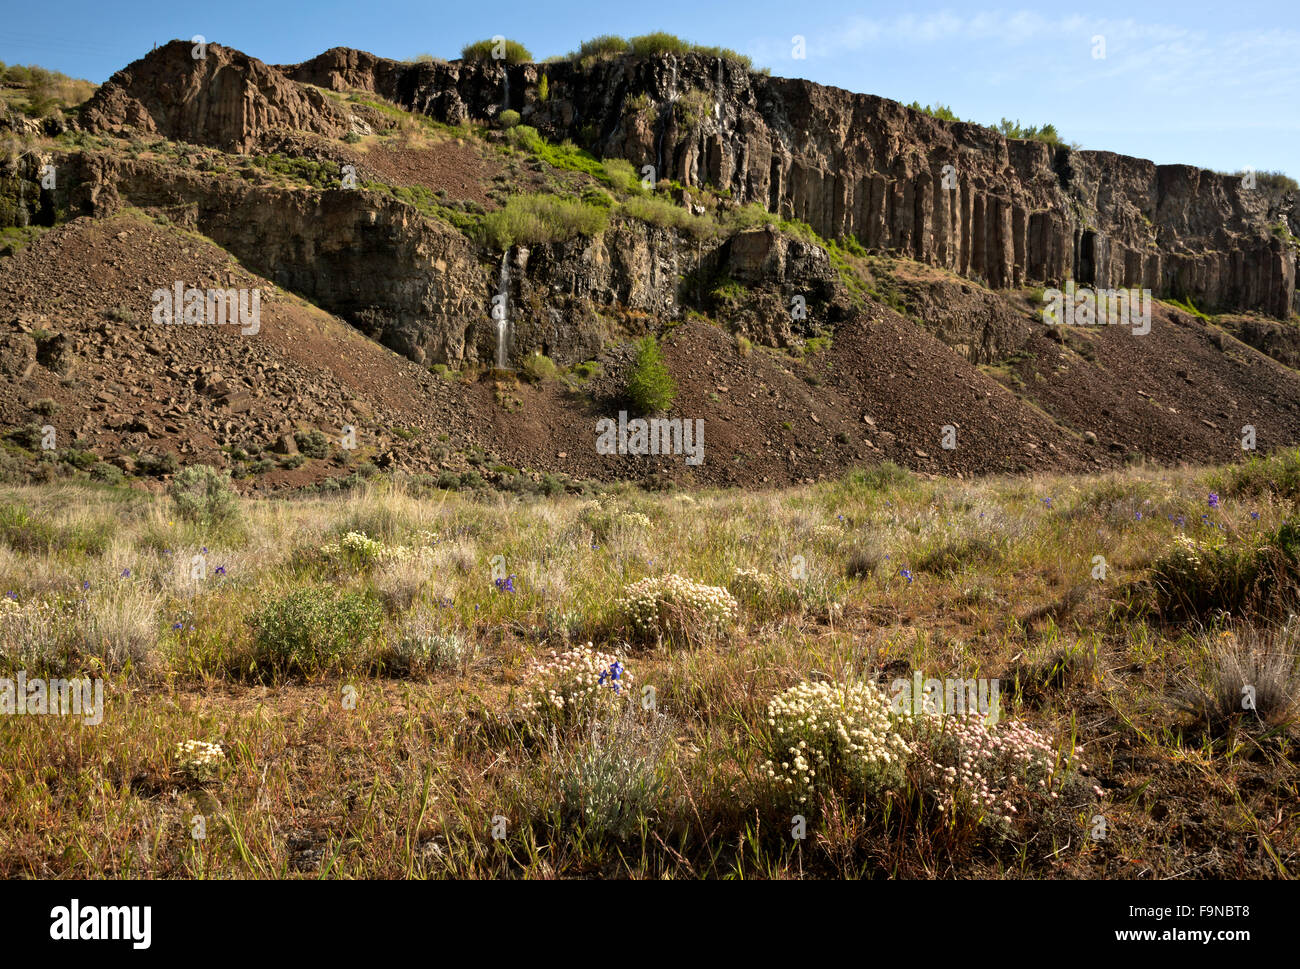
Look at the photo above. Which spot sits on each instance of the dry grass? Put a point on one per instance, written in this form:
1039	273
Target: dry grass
396	766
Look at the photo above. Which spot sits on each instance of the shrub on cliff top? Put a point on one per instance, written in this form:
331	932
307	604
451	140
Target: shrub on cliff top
606	45
648	45
511	51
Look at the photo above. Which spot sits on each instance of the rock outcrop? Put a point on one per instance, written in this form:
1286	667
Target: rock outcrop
224	98
960	196
1002	211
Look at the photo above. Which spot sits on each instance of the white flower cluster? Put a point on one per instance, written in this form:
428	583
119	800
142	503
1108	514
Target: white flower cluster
575	685
752	582
635	520
357	549
967	762
671	605
1186	555
839	735
198	758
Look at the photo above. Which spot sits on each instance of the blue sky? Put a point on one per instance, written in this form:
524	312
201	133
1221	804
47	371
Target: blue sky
1211	84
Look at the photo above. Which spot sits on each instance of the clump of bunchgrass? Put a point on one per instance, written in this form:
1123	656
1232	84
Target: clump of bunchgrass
27	639
1253	679
424	646
117	627
762	595
1196	579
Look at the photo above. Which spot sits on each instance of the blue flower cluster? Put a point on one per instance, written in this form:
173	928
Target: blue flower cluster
611	675
507	584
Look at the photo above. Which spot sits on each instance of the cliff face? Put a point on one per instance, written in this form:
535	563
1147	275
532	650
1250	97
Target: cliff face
411	283
1005	212
252	157
959	196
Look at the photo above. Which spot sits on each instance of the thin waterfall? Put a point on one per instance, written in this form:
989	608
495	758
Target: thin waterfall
501	314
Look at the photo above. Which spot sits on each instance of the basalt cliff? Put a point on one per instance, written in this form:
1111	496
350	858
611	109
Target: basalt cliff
835	277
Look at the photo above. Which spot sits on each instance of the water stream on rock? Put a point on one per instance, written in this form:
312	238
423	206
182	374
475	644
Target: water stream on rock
500	314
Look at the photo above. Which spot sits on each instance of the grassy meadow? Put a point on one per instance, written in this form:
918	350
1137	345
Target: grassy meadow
397	682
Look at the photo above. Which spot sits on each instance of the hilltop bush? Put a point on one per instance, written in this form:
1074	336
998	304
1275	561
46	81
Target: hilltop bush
1007	128
940	111
650	45
48	92
483	50
606	45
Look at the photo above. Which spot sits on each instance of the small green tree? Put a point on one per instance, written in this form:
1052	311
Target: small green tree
543	89
650	386
508	118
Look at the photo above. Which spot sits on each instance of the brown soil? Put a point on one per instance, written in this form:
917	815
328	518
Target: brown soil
770	418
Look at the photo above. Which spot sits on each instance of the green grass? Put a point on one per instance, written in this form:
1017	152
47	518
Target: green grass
1187	306
653	44
531	219
667	215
